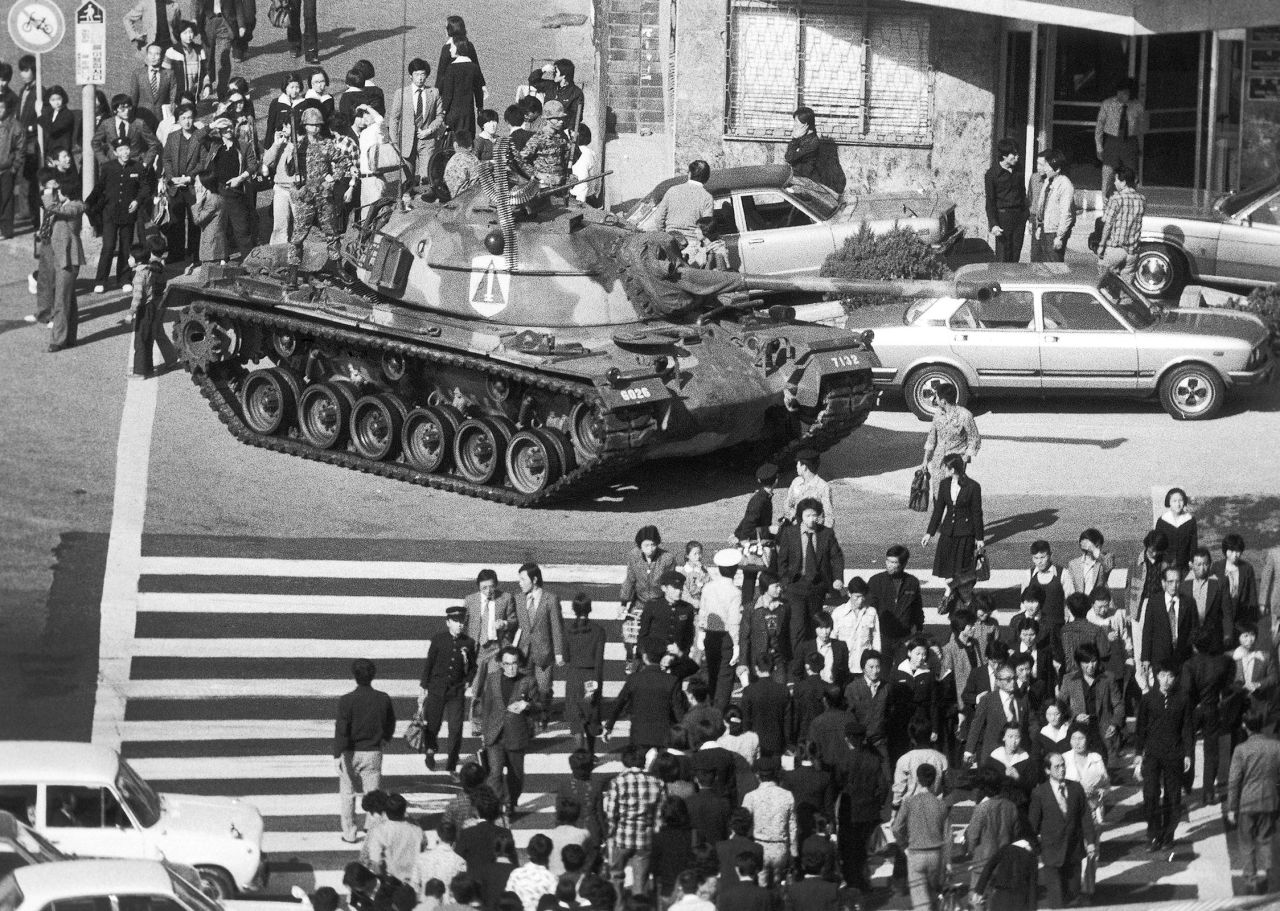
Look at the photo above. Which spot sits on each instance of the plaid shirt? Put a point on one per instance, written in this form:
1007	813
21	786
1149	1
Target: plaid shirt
1122	220
347	145
631	808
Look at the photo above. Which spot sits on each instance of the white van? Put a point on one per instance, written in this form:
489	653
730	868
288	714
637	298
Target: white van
88	801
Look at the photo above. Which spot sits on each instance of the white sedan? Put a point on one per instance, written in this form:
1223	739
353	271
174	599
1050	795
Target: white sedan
112	885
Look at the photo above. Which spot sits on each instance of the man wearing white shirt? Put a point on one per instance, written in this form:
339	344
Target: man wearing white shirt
857	624
688	886
491	616
1092	568
718	623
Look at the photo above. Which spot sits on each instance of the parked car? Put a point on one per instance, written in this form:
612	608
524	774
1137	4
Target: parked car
89	802
775	223
1233	239
20	845
112	885
1058	329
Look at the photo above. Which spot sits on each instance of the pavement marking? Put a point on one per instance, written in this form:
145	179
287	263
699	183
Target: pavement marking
228	768
184	731
280	688
124	557
555	573
303	648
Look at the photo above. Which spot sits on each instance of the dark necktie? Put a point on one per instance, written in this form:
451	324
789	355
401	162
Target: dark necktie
1123	131
155	85
123	132
809	566
1173	618
419	109
1013	709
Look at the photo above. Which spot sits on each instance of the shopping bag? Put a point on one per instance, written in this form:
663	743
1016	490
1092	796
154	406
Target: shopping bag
919	498
415	733
982	567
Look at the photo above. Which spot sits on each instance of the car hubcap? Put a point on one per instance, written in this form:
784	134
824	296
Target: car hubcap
928	391
1192	394
1153	273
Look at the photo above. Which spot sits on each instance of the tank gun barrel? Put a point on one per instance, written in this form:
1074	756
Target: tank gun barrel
897	288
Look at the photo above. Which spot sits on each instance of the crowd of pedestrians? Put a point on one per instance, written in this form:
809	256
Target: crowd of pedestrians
183	153
786	726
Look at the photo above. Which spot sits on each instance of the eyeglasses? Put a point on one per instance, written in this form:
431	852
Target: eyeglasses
1004	680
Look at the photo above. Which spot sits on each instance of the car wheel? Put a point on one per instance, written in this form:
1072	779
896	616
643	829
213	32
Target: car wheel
217	883
921	384
1192	392
1162	271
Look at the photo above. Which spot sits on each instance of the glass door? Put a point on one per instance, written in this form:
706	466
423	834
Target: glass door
1171	83
1086	66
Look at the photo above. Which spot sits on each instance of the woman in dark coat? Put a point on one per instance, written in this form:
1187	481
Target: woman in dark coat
672	845
583	673
956	521
1179	526
456	28
462	89
57	122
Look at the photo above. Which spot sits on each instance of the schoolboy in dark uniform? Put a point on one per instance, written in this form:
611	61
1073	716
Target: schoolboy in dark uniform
450	665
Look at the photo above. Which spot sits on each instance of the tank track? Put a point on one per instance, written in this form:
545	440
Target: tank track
627	433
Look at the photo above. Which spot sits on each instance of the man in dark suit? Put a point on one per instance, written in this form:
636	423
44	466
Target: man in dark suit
448	670
365	724
877	704
993	712
670	618
1165	741
143	145
895	594
151	88
835	654
180	163
491	623
812	891
653	698
1060	813
809	563
806	698
715	759
742	892
1253	798
1204	680
827	730
541	632
1169	624
227	27
1207	592
863	792
29	117
1243	604
738	843
766	708
709	810
507	710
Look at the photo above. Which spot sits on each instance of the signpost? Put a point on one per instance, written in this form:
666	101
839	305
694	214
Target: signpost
91	72
37	27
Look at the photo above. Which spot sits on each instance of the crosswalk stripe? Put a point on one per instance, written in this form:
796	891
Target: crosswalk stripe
272	729
302	648
274	688
195	768
553	573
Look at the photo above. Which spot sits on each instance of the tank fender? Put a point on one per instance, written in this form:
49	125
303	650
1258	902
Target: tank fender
817	364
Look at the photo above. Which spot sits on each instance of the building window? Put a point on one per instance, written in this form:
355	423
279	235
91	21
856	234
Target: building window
863	68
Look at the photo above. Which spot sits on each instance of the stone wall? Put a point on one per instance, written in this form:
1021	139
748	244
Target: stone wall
966	77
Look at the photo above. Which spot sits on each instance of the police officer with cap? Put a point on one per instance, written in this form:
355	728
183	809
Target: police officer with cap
669	619
718	622
450	665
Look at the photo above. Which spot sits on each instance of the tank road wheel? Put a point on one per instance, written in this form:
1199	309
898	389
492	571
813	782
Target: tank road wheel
533	464
590	431
324	412
269	399
376	422
428	437
563	449
480	448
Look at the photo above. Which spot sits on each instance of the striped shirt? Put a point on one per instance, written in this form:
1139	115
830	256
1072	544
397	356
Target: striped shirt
1122	221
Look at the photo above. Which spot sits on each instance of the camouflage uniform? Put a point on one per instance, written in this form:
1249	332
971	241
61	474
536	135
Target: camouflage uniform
320	162
548	153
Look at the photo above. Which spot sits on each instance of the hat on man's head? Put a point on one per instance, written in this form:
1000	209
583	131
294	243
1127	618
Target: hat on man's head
120	141
456	612
767	473
672	578
553	110
728	557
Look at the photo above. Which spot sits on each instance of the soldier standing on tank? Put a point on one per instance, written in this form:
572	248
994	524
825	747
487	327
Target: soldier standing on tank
449	668
319	162
548	151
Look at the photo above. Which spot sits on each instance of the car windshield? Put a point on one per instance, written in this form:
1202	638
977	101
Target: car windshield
1238	202
190	893
820	200
1127	301
142	800
10	894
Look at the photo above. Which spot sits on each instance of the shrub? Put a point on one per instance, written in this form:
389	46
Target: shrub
898	254
1265	304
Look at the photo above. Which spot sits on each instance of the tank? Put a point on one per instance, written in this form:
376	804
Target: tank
519	359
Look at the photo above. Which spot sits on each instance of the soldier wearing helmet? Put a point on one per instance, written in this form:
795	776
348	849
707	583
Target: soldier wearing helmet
319	161
548	150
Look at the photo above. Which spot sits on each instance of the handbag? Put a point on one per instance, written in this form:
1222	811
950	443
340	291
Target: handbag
415	734
278	13
982	567
919	497
159	211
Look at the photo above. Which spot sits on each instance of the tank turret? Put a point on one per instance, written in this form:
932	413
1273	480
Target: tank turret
517	349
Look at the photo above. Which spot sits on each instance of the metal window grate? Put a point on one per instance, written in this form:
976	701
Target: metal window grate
863	69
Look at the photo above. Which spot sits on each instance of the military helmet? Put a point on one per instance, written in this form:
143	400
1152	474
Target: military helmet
312	115
553	110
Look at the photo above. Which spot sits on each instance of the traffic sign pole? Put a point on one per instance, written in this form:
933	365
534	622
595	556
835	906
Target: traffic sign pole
91	72
89	112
